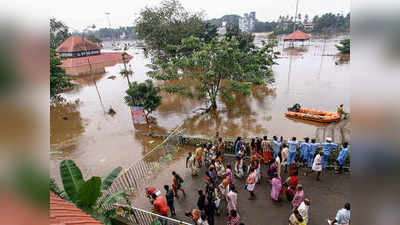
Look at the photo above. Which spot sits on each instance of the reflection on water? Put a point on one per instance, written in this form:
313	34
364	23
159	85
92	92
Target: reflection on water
99	142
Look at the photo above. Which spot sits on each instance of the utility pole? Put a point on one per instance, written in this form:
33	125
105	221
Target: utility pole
295	16
295	19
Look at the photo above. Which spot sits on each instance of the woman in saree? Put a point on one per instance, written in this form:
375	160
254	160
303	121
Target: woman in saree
276	187
266	150
272	170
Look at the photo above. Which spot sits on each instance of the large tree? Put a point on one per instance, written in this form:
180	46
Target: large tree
93	38
59	32
144	95
58	80
344	46
214	68
167	24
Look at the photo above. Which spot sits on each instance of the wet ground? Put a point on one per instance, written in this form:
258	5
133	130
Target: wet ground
327	196
311	75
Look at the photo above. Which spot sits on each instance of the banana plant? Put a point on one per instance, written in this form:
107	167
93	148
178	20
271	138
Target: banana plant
88	195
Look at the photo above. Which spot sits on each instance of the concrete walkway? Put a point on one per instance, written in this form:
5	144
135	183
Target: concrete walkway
326	196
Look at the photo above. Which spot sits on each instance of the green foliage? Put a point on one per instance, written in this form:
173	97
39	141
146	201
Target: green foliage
167	24
330	22
87	195
59	32
273	35
107	180
112	198
56	190
125	33
58	80
72	179
89	192
344	46
93	38
144	95
229	66
232	21
244	39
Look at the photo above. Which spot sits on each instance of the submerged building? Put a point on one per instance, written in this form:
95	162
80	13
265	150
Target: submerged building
76	46
81	57
247	23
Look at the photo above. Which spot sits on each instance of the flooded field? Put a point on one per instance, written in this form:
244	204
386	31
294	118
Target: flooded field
314	76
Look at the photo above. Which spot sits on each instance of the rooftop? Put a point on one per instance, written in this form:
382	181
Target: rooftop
64	213
297	35
77	44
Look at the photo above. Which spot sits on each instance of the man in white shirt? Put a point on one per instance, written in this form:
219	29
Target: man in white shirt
304	209
342	216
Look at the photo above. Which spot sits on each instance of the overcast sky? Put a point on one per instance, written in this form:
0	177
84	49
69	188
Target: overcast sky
78	14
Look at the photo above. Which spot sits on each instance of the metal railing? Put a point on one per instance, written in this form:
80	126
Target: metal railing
142	217
137	175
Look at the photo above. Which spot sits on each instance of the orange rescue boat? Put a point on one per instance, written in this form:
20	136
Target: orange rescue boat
314	115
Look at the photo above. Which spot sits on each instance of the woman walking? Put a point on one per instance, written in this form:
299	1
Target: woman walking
234	218
177	184
276	187
232	199
317	165
251	183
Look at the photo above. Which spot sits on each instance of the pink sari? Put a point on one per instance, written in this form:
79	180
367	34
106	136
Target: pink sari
298	198
276	188
232	201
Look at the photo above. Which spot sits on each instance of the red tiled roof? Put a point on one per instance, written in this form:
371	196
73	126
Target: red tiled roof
297	35
94	59
64	213
77	44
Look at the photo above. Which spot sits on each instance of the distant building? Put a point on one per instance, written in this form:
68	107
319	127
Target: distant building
247	23
222	28
81	56
308	27
76	46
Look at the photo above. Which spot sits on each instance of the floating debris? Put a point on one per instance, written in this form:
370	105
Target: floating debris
111	111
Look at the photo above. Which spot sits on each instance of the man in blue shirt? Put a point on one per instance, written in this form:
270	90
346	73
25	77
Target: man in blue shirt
304	150
292	150
341	159
327	149
311	153
277	146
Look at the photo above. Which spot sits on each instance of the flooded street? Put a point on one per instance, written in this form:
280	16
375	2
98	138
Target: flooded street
98	142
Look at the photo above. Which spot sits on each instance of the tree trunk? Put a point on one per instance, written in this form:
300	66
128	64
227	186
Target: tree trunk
213	104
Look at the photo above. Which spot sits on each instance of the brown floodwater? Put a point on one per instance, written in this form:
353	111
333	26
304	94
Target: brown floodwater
314	75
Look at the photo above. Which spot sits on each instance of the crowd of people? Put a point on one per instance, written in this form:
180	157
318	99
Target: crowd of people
279	157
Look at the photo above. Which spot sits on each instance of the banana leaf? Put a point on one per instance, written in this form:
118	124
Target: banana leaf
72	179
89	192
108	179
112	198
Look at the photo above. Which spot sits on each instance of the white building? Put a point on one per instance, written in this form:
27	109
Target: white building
247	23
222	28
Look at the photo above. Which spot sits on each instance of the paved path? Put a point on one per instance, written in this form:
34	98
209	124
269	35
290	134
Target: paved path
326	196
